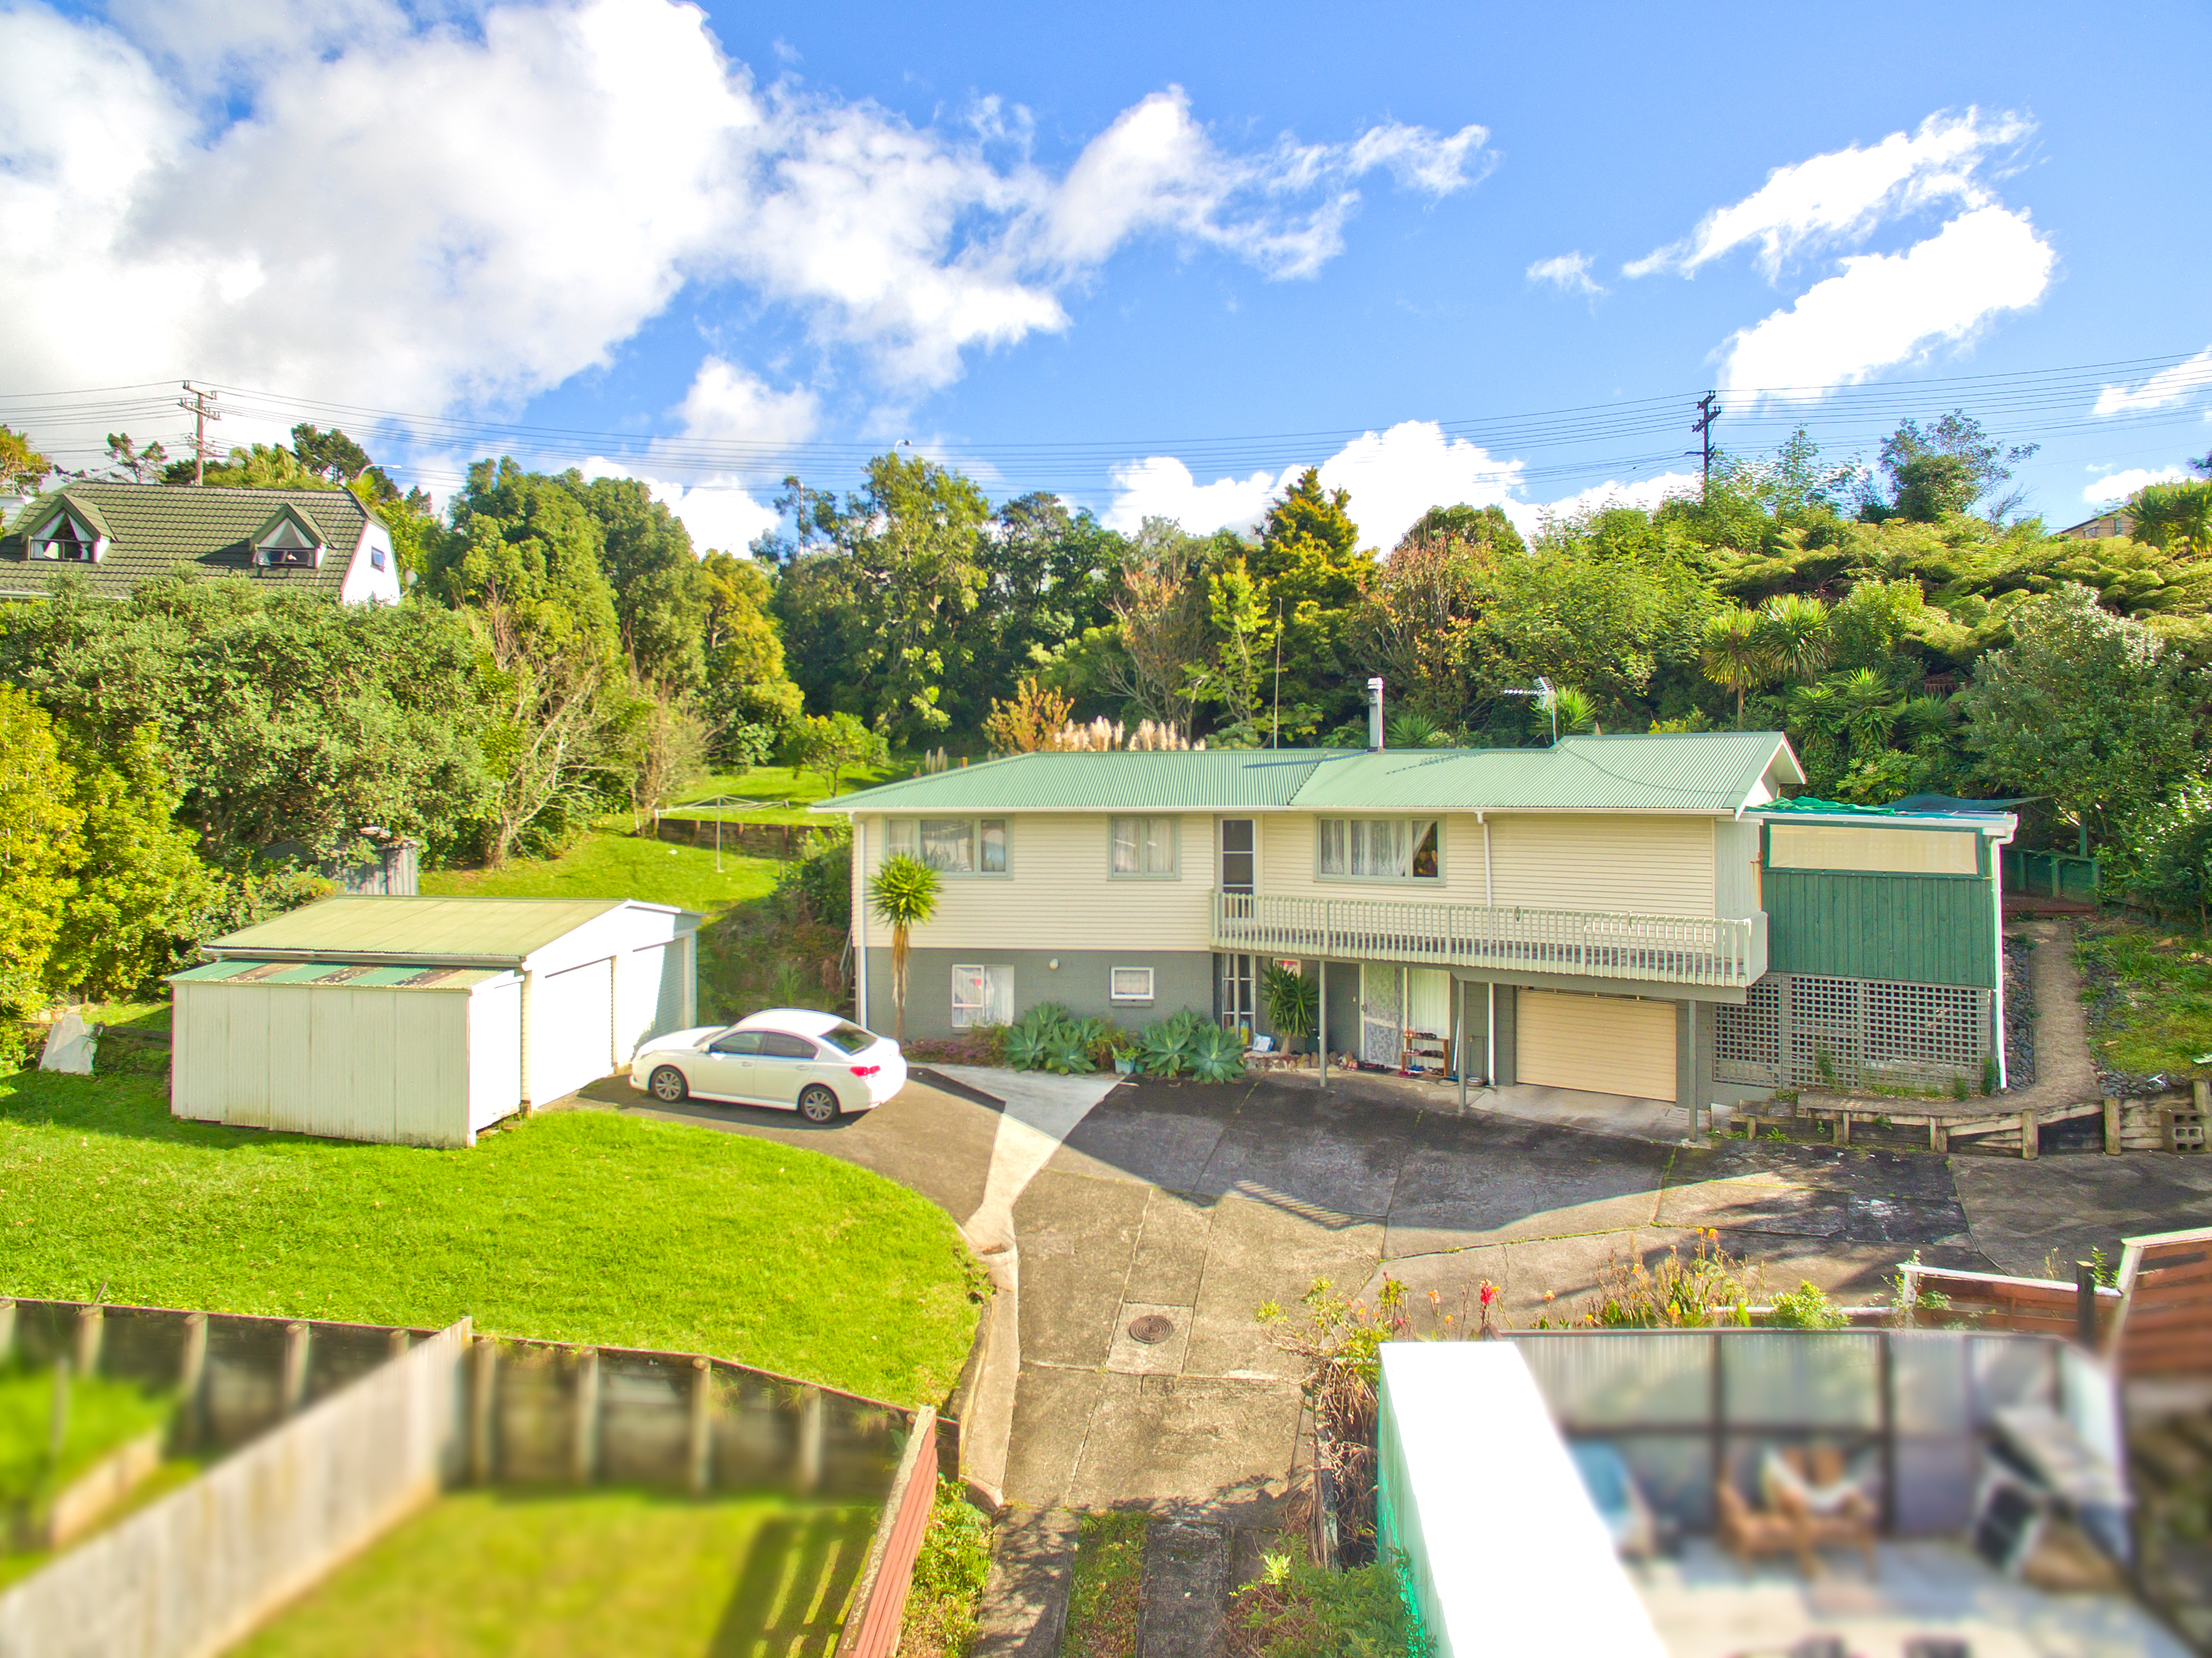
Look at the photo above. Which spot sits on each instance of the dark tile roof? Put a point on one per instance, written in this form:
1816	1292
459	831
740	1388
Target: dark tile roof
154	527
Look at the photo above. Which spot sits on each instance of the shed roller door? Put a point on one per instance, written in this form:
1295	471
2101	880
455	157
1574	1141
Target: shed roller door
571	1030
1604	1044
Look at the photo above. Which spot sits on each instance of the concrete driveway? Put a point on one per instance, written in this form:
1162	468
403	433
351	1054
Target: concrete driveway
1195	1205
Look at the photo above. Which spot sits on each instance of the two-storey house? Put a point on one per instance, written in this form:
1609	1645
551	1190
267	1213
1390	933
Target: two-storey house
1595	915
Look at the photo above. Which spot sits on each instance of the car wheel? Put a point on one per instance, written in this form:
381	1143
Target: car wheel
668	1085
818	1103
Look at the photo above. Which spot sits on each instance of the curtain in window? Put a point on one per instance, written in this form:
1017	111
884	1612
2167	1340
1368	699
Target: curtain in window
902	838
994	846
949	843
1125	845
1159	846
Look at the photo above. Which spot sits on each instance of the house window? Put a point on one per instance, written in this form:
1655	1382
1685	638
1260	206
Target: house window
1380	849
957	845
982	995
65	538
288	547
1144	847
376	558
1130	984
1237	856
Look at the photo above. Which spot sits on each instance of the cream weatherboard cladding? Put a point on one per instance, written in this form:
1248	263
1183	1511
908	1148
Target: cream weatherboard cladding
1604	1044
1059	893
1648	864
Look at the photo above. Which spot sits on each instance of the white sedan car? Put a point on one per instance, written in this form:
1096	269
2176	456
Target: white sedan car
816	1064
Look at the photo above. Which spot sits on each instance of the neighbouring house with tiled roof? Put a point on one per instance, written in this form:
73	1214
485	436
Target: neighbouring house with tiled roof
1646	916
114	536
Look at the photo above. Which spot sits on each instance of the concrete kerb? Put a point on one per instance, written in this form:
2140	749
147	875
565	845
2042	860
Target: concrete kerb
1037	1112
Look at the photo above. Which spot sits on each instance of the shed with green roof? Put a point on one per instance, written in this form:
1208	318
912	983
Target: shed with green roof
424	1020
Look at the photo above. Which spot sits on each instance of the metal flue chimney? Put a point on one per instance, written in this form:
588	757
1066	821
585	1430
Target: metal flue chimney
1373	715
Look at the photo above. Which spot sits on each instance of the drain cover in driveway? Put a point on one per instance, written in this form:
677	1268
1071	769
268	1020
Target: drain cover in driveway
1152	1326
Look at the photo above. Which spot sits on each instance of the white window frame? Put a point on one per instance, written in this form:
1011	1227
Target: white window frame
1115	992
75	532
902	838
1143	841
1417	831
996	1005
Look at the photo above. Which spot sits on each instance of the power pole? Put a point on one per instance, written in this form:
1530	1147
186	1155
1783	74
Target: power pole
196	402
1709	410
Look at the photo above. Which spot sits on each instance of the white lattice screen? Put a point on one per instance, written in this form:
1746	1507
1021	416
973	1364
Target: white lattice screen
1797	1031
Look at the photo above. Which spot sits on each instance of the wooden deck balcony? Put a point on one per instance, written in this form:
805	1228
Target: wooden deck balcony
1686	950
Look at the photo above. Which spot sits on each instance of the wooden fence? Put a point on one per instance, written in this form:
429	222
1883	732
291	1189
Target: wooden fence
872	1627
194	1572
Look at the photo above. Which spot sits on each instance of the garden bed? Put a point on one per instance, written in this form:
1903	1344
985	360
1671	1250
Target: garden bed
2148	994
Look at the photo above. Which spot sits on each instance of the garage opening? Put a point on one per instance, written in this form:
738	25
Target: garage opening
1601	1044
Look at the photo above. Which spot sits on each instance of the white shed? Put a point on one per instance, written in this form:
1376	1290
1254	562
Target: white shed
422	1020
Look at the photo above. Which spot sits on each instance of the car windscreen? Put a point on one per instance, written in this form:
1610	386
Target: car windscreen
848	1038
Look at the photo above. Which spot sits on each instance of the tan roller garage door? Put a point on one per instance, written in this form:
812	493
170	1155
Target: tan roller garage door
1606	1044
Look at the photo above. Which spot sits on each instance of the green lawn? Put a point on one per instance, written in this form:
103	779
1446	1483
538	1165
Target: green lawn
574	1225
790	787
100	1415
579	1575
609	863
2162	1020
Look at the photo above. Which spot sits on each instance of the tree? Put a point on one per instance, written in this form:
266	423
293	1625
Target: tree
525	543
1485	527
258	466
1944	470
1309	564
1792	635
749	702
831	745
139	883
876	597
139	465
1417	625
39	825
22	469
1031	719
1733	656
902	892
1234	679
1160	617
2174	516
1581	616
2087	708
661	596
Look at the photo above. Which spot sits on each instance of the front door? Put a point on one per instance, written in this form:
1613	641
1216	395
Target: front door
1381	1026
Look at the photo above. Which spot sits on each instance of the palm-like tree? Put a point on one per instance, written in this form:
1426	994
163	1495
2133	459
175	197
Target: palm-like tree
1869	709
903	894
1793	634
1733	655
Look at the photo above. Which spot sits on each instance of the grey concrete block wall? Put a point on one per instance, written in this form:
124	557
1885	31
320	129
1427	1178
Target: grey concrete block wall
1181	979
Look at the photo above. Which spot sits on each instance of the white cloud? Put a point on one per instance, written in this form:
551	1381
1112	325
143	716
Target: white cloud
1840	197
1568	272
1392	476
1160	486
411	214
1888	308
720	513
2168	386
2119	486
727	402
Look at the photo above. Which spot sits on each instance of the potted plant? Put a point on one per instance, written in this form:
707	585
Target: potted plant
1293	1004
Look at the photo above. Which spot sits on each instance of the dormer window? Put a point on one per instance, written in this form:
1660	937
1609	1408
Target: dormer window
287	545
68	537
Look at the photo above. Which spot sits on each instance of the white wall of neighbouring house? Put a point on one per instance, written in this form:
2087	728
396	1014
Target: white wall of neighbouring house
364	583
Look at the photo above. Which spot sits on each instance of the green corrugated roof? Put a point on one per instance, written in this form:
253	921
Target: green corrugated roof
1699	772
338	974
153	527
487	930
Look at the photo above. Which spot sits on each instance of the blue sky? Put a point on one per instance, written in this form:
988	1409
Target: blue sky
1148	256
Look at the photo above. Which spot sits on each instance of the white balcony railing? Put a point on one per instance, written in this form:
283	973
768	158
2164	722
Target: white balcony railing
1687	950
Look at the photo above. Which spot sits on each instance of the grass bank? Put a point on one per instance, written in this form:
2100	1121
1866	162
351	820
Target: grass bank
2148	992
574	1225
602	1574
779	795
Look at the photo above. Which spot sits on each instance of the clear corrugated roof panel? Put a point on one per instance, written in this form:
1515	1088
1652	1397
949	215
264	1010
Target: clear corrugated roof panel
496	929
330	976
1699	772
